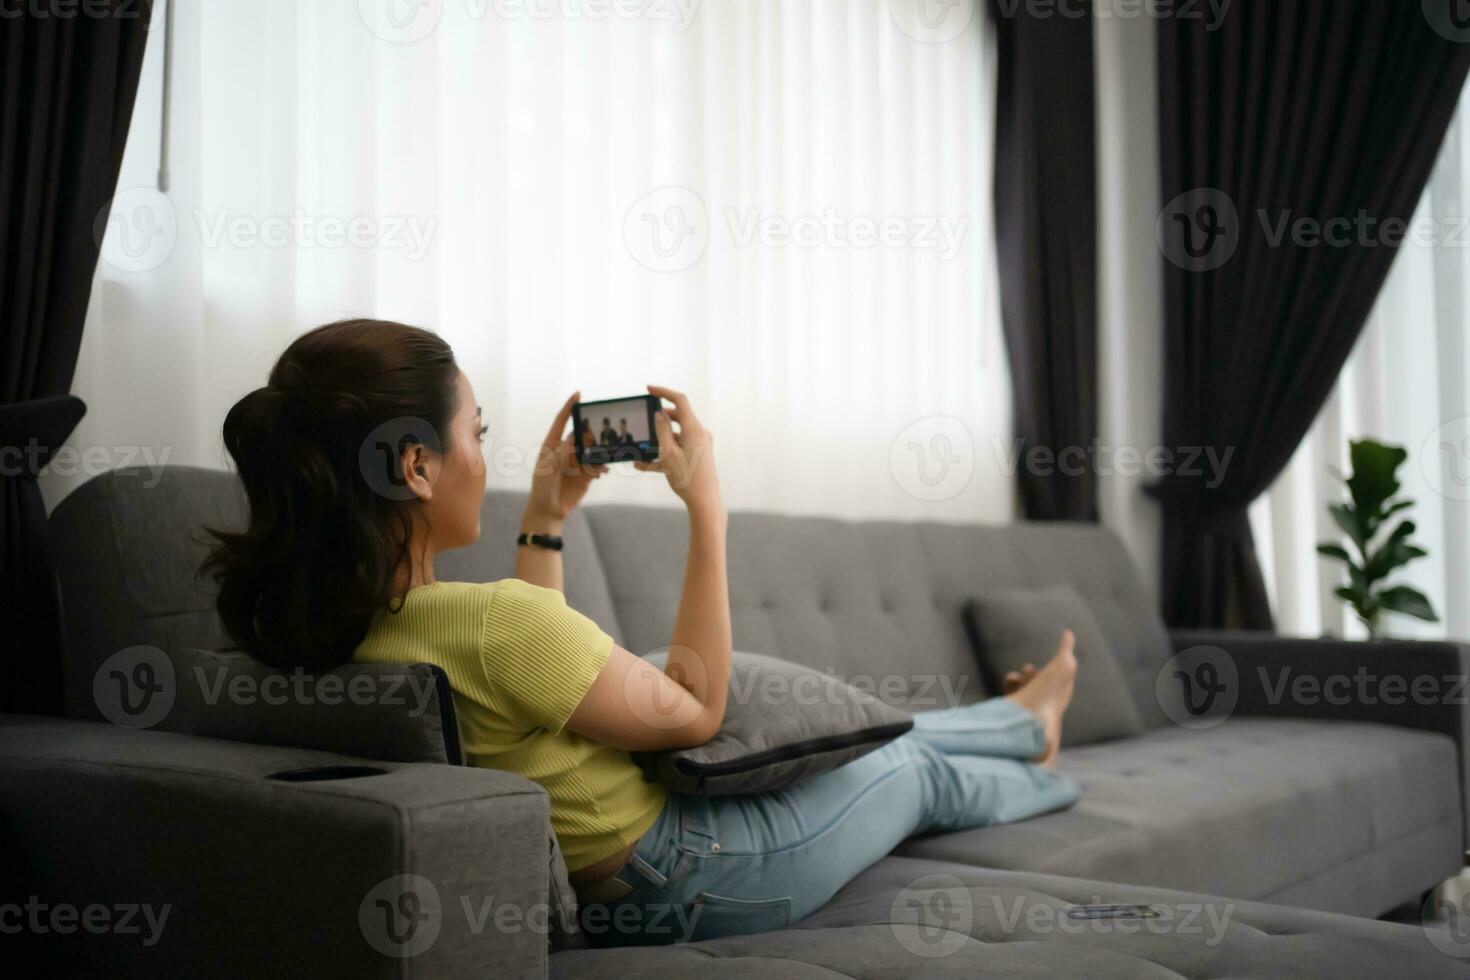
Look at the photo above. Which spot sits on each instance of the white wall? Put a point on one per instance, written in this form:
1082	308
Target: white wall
1130	277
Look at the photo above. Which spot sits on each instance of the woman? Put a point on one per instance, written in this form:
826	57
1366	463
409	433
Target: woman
337	564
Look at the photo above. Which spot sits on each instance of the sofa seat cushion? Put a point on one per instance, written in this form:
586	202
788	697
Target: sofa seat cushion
914	918
1255	808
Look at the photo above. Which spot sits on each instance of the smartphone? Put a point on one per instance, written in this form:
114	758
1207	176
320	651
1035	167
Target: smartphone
617	430
1112	912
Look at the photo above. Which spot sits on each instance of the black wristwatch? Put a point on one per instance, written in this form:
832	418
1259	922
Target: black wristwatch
551	542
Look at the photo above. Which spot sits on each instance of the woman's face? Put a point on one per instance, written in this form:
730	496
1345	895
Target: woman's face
456	490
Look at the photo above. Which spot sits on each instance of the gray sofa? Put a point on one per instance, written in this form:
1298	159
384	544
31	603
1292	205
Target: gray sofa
1270	825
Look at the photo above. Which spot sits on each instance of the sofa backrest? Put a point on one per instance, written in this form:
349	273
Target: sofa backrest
128	545
876	602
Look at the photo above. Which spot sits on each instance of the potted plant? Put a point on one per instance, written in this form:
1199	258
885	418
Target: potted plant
1373	488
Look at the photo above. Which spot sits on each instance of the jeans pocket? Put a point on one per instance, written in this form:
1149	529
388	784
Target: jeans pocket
714	916
697	824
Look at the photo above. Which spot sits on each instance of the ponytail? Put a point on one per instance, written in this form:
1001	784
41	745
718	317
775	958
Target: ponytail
324	544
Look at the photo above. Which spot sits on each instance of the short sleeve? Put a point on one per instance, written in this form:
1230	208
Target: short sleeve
540	656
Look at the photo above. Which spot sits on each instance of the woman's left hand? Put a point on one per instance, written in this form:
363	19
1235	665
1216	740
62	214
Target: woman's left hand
558	481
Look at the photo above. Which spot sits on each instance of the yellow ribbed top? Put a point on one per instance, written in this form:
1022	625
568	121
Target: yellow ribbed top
520	661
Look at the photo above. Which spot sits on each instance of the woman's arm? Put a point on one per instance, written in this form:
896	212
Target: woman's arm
558	483
633	705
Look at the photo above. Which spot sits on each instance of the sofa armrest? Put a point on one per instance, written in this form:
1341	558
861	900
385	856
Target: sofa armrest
218	868
1407	683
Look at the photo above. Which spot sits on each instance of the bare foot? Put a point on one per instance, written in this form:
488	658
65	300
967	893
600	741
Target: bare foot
1016	679
1046	694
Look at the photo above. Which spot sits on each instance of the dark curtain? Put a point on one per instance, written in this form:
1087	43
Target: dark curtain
70	75
1046	235
1314	110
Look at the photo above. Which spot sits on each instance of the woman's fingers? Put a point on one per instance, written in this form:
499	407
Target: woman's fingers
553	436
680	400
664	428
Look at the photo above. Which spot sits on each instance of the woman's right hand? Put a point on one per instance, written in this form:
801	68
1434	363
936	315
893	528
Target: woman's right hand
685	457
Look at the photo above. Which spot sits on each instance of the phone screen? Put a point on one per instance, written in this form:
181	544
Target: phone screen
618	430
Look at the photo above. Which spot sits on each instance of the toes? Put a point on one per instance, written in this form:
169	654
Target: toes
1012	682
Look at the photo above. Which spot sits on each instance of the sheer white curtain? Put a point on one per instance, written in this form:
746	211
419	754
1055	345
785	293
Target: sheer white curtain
1407	382
781	206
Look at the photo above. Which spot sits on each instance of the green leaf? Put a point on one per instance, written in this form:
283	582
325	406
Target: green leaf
1373	481
1410	602
1335	551
1395	552
1347	518
1395	508
1356	597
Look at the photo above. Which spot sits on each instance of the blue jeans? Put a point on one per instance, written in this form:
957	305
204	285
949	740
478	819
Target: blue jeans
725	865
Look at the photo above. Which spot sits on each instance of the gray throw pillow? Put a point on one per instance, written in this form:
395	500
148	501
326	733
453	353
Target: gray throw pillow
389	712
783	723
1013	627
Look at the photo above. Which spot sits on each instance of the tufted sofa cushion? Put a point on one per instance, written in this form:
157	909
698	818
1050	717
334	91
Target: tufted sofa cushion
879	601
1342	816
907	918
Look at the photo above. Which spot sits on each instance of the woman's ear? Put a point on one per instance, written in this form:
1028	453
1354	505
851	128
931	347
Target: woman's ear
418	470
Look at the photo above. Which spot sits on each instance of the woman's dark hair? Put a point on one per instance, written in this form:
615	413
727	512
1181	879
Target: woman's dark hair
317	450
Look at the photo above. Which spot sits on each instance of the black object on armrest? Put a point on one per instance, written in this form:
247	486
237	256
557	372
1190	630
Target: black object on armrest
393	712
